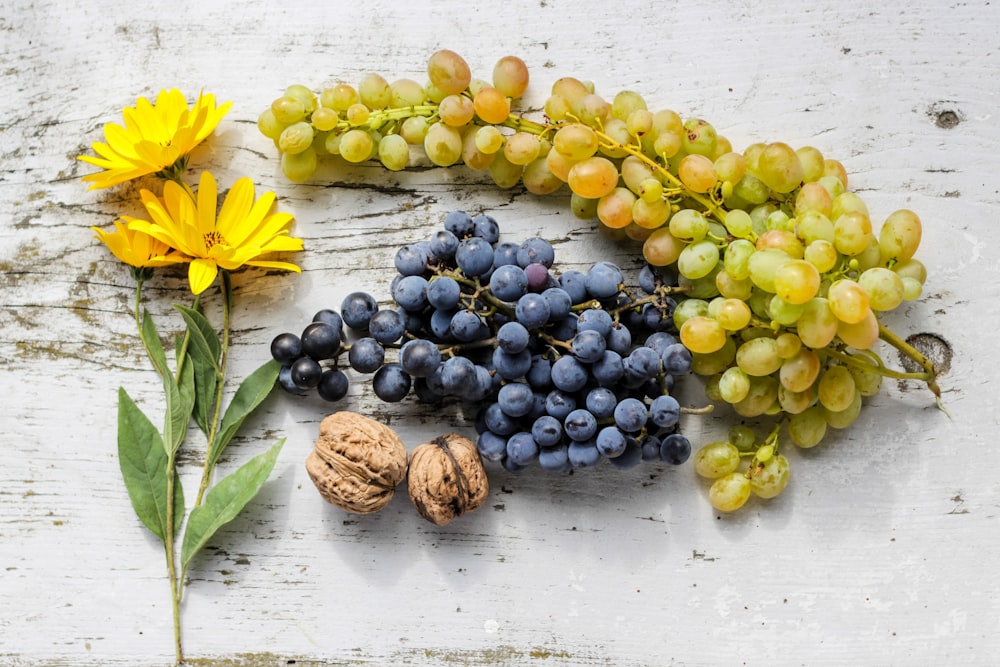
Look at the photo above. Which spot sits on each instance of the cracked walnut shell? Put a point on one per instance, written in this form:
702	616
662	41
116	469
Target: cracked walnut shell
357	462
446	478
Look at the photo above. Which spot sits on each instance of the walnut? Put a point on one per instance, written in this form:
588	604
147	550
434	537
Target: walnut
357	462
446	478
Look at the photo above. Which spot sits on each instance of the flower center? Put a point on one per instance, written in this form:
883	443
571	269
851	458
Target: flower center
214	238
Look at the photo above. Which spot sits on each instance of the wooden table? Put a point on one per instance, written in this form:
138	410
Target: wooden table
882	550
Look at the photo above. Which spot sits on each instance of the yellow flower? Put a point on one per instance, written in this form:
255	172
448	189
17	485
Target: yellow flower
156	137
137	249
243	230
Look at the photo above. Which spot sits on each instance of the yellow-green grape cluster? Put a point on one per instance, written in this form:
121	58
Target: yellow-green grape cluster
782	272
739	468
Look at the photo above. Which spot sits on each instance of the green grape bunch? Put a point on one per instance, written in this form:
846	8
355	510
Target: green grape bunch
783	275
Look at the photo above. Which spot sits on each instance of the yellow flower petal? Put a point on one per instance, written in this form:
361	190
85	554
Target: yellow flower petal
201	274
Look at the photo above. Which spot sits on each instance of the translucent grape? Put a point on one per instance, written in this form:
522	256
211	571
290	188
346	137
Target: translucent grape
734	385
593	178
638	122
296	138
860	335
821	254
911	268
506	174
800	371
814	226
730	492
817	324
789	345
883	287
797	281
759	357
689	225
393	152
442	145
615	208
779	167
808	428
414	130
456	110
811	160
783	240
813	198
782	312
852	233
912	289
651	214
288	110
762	395
374	91
698	259
846	417
471	155
489	139
763	267
491	105
448	72
716	459
867	380
848	301
794	402
662	248
699	137
538	179
594	110
510	76
357	114
356	145
836	388
732	314
340	97
772	479
732	288
697	173
521	148
299	167
900	235
575	141
406	93
702	334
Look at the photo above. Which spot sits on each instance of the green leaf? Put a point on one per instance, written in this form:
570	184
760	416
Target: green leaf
143	461
180	403
251	393
204	341
151	339
225	500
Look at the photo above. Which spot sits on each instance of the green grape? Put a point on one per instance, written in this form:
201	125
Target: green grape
689	308
789	345
730	167
697	173
800	372
617	132
868	258
651	191
296	138
822	254
807	428
357	114
730	492
576	141
848	301
489	139
846	417
374	91
594	110
558	108
288	110
393	152
635	172
471	155
796	282
448	72
812	163
772	479
732	314
700	288
625	103
883	287
794	402
712	387
742	437
813	198
734	385
836	388
782	312
414	130
699	137
702	334
817	325
732	288
868	380
759	356
860	335
751	189
538	179
268	124
900	235
779	168
739	224
852	233
593	178
783	240
814	226
698	259
832	184
521	148
781	221
762	395
457	110
442	145
584	208
689	225
615	209
667	144
406	93
653	215
505	173
848	202
639	122
299	167
912	289
340	97
716	459
324	119
763	266
510	76
736	260
356	145
304	95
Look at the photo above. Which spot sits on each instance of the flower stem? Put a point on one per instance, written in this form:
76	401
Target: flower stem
930	376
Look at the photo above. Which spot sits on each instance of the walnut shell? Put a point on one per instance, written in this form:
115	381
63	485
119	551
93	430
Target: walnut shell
446	478
357	462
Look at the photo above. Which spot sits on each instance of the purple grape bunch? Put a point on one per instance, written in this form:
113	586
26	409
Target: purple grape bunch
568	369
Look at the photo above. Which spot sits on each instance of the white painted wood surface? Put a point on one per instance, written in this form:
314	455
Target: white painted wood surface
882	551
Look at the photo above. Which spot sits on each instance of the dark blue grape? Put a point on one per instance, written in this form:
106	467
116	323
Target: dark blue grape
483	385
604	280
331	317
390	383
286	348
539	376
491	446
559	404
515	399
411	292
583	454
505	254
474	256
580	424
306	372
647	279
610	442
554	459
459	223
357	310
547	431
619	339
511	366
569	374
538	277
650	446
609	369
443	293
386	326
595	319
630	457
660	341
512	466
465	326
575	284
631	415
535	251
419	357
601	401
644	361
588	346
486	228
676	359
440	324
675	449
521	448
320	341
333	385
498	421
411	260
508	283
563	329
366	355
665	411
424	392
532	311
443	245
457	375
286	382
656	318
559	302
512	337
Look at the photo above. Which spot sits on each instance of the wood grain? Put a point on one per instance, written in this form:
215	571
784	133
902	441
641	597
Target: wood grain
881	551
